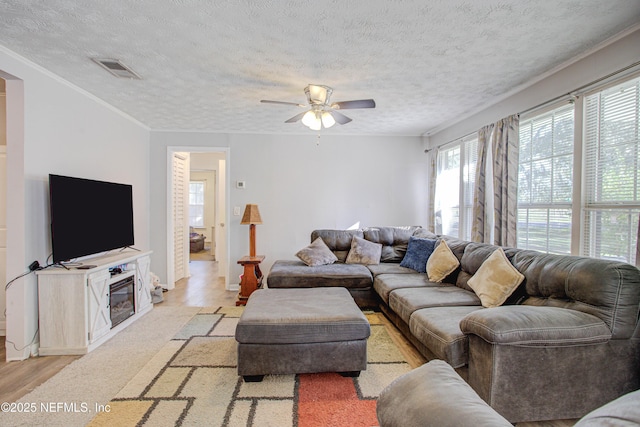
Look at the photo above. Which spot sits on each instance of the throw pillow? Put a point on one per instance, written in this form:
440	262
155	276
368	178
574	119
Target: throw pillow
364	252
418	252
495	280
441	263
317	253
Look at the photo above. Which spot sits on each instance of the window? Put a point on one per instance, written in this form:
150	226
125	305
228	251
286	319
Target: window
612	172
196	203
545	181
454	188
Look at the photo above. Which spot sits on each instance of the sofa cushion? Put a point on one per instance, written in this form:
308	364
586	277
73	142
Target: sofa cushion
394	240
495	280
438	328
317	253
384	284
536	326
296	274
364	252
390	268
418	252
441	263
407	300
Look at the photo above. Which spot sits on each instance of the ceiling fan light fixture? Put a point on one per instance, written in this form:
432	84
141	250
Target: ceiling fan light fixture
309	119
327	119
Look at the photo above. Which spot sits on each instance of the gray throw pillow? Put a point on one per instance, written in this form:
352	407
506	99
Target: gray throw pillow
364	252
317	253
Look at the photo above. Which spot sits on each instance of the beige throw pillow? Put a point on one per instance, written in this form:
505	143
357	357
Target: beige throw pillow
495	280
364	252
441	263
317	253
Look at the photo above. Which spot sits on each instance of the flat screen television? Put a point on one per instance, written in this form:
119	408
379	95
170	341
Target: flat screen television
89	216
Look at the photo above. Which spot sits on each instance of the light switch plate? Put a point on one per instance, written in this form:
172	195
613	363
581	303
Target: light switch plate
241	185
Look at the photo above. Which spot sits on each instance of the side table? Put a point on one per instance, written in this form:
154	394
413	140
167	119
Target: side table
251	278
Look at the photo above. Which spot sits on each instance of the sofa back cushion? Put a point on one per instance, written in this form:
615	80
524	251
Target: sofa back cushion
609	290
394	240
339	241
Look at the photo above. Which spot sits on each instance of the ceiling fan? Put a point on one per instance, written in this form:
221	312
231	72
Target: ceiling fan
322	112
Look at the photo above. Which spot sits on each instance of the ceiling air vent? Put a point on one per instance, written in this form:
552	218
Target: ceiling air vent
117	68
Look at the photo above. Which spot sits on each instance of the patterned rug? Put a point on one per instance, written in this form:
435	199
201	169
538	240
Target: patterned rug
193	381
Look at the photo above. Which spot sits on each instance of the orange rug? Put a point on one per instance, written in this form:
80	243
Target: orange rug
332	400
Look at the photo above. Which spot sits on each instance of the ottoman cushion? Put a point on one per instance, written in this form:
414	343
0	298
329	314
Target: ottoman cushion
298	316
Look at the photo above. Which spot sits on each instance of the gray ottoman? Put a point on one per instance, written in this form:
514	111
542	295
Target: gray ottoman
305	330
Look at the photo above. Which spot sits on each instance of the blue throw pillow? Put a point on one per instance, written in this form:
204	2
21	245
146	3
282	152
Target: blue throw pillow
418	252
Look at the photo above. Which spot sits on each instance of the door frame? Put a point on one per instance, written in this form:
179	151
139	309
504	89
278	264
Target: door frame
224	263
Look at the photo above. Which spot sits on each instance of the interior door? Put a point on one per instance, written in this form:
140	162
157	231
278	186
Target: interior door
181	215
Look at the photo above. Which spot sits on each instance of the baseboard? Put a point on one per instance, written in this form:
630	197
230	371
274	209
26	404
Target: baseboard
3	328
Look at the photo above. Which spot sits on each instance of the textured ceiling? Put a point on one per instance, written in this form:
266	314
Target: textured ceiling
206	65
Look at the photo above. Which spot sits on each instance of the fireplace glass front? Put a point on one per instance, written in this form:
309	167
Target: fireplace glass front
122	300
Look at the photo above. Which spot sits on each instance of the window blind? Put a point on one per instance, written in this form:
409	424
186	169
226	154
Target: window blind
612	174
545	181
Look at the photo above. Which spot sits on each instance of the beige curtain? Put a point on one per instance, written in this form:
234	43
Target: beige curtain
638	245
433	173
495	211
480	227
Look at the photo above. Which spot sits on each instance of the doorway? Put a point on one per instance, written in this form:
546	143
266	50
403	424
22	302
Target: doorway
209	166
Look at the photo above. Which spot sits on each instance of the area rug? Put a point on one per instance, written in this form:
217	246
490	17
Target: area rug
193	381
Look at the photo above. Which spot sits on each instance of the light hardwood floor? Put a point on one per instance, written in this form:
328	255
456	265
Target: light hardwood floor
203	289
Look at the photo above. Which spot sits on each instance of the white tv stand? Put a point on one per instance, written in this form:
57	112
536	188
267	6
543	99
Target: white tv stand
74	304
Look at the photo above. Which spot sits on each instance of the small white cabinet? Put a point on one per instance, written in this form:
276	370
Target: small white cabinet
98	308
75	304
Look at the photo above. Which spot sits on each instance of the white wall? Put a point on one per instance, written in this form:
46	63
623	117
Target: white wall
609	59
300	186
68	132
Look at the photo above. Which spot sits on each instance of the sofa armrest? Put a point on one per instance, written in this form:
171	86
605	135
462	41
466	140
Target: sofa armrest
535	326
434	395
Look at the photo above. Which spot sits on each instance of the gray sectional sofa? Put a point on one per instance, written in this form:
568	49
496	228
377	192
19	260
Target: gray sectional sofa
566	341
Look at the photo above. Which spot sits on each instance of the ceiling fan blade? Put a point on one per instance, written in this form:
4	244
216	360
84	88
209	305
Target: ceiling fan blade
295	118
339	117
266	101
361	103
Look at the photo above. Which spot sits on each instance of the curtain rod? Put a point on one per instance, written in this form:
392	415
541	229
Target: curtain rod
558	98
581	88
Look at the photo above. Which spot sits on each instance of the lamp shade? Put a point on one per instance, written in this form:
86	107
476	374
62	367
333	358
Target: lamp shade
251	215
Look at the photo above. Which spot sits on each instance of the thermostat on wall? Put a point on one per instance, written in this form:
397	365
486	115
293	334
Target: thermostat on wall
241	185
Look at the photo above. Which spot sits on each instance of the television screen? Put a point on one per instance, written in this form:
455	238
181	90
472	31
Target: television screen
88	216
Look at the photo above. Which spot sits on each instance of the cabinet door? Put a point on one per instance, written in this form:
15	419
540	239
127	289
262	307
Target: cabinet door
98	301
143	283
